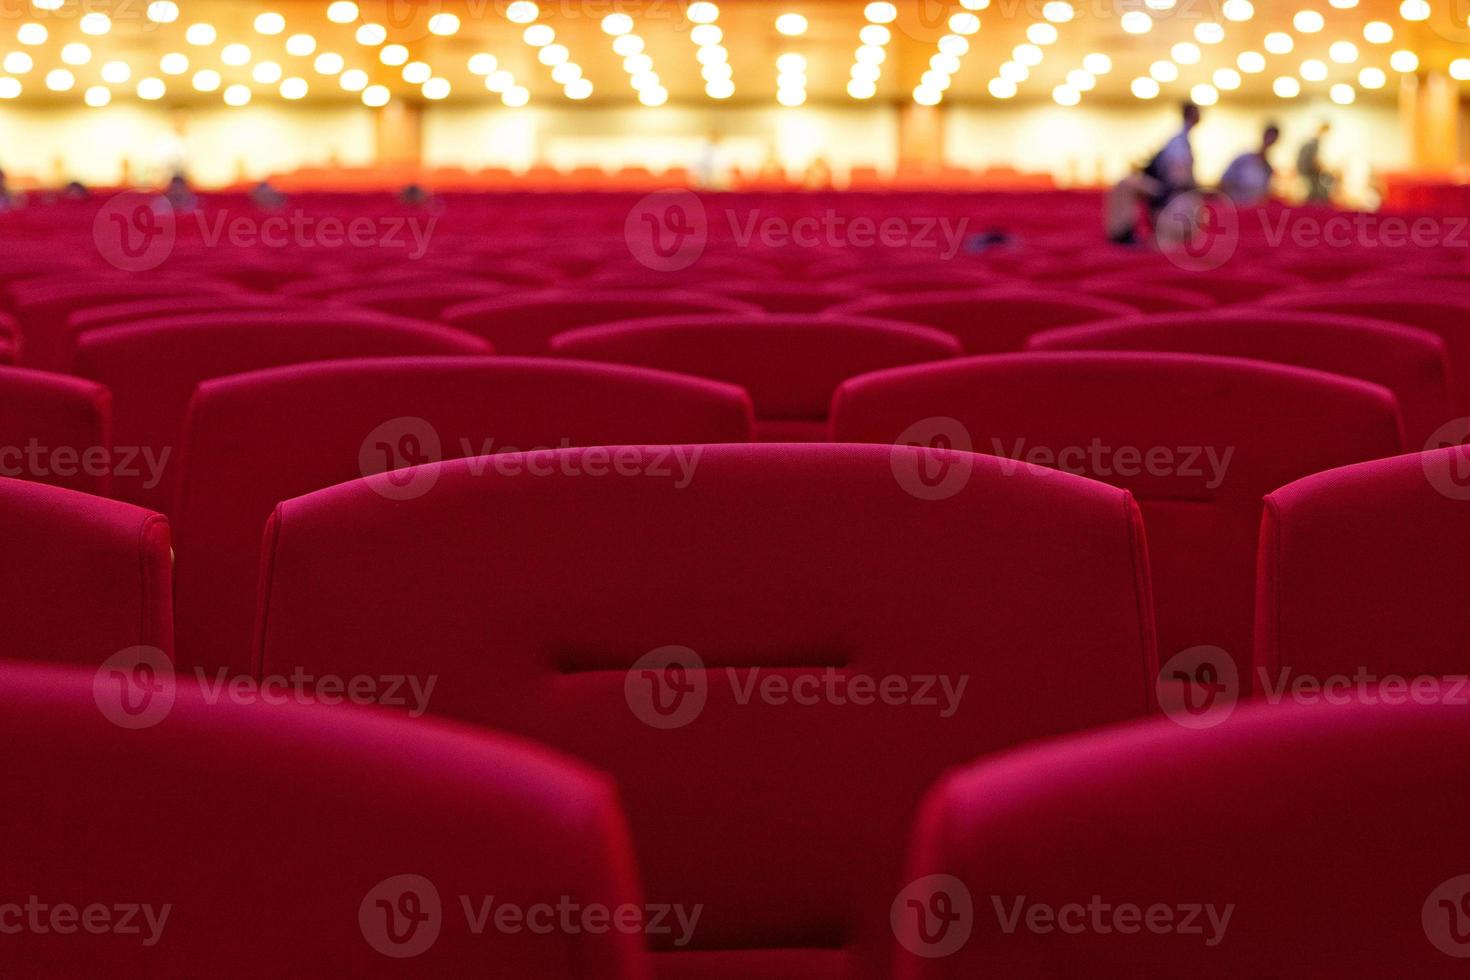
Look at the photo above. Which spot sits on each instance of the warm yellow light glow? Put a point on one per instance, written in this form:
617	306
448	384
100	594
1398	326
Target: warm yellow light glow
237	95
1145	88
444	25
207	80
1136	22
174	63
76	53
97	96
1404	61
792	25
151	89
201	35
1286	87
342	12
160	12
60	80
270	24
294	88
235	54
300	45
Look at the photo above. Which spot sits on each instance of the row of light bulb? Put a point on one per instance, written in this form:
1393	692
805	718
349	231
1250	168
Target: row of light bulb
636	62
1082	79
946	61
1024	57
867	64
564	71
714	57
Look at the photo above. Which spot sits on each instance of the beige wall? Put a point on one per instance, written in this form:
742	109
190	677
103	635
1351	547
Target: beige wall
1084	144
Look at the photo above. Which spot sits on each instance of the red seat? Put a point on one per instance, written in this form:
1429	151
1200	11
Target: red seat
112	314
83	577
1199	441
361	844
788	297
1288	842
1408	362
790	364
989	321
419	301
1365	567
1148	298
255	439
525	323
1222	285
152	366
547	603
44	308
1428	309
56	430
931	277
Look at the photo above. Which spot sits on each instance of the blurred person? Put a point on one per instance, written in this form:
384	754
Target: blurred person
180	195
266	197
7	200
1248	178
414	195
75	190
1309	168
1126	204
1172	168
711	168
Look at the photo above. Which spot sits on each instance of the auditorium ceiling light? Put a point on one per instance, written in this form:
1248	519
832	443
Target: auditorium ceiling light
516	96
342	12
1145	88
1378	32
376	96
1137	22
60	80
1209	33
1058	11
436	89
371	35
47	4
1343	94
1404	61
1185	53
267	72
116	72
1414	10
791	25
1372	78
1314	70
1204	94
97	96
522	12
328	63
1226	79
880	12
207	80
1042	34
78	53
1027	54
270	24
174	63
1251	62
201	35
95	24
10	88
417	72
617	24
393	55
444	25
1279	42
300	45
1286	87
1237	10
151	89
1460	69
1308	21
235	55
1002	88
1098	63
1343	52
19	63
31	34
294	89
353	80
1164	71
1066	95
160	12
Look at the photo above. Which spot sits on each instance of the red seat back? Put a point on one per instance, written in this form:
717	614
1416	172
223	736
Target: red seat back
1365	567
363	844
1410	363
55	429
542	601
420	300
255	439
152	366
790	364
1437	311
1155	850
83	577
1198	440
525	323
988	321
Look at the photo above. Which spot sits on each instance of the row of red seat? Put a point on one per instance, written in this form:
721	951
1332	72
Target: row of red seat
545	604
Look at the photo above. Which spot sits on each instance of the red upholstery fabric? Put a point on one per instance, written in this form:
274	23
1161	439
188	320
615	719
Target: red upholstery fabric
253	440
526	322
1223	285
790	364
927	278
1366	567
152	366
48	425
788	297
83	577
43	310
112	314
1434	310
1146	297
1331	837
1408	362
531	596
421	301
1162	425
989	321
300	815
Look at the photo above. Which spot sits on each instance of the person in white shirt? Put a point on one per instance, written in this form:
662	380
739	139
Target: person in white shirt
1247	180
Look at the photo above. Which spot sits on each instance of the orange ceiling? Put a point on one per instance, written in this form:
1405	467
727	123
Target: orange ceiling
749	38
